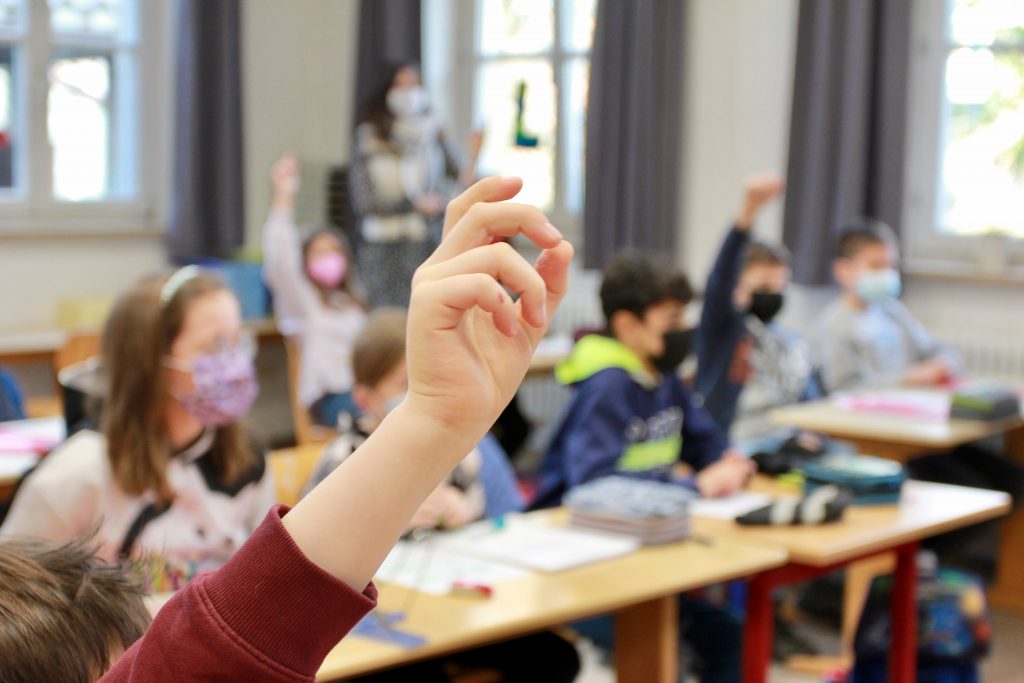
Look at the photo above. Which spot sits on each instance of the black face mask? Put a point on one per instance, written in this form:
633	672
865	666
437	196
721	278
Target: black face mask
677	347
765	306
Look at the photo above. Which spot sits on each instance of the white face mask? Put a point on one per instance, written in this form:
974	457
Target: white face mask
408	102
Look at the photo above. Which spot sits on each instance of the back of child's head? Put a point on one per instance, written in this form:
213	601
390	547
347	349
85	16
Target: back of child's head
635	284
764	254
380	347
65	615
859	233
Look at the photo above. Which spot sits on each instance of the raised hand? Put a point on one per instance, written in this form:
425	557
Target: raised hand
758	191
469	341
285	176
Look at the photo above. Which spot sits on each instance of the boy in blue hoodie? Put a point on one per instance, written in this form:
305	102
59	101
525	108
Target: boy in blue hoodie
631	415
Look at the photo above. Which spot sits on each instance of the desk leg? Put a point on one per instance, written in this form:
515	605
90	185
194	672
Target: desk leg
1008	592
647	642
760	630
903	656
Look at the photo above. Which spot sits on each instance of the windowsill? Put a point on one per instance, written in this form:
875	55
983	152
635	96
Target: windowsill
965	272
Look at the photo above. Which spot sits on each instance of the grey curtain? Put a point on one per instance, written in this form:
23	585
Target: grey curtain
634	123
389	33
847	134
207	206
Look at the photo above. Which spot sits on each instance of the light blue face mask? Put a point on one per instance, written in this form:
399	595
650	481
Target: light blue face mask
878	285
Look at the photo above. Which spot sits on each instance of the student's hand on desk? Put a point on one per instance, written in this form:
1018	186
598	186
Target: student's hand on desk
758	191
285	176
727	476
446	507
929	373
469	343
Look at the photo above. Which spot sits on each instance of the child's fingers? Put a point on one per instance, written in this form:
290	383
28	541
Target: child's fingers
553	268
503	263
494	189
446	301
482	222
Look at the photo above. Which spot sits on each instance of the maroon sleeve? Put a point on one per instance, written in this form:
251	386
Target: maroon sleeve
268	615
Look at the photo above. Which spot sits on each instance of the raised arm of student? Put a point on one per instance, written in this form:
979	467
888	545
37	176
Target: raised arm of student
275	610
283	267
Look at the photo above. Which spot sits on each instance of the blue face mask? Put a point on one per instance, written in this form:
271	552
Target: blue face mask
878	285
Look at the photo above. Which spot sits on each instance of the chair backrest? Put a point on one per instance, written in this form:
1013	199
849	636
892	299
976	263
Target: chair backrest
79	346
305	431
291	468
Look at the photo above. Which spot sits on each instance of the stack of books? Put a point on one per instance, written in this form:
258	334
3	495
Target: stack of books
652	512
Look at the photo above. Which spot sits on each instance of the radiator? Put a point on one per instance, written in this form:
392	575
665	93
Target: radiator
990	356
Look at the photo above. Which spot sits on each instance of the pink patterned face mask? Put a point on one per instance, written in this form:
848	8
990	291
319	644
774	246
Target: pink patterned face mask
328	270
225	386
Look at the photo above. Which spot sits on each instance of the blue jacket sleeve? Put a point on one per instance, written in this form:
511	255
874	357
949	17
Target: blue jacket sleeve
703	441
718	312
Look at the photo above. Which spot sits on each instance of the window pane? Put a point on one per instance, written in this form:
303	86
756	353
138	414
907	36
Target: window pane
99	17
11	13
516	27
983	164
577	80
985	22
6	117
577	17
513	144
78	122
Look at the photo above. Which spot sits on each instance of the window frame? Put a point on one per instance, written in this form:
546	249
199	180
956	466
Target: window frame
928	249
30	208
559	56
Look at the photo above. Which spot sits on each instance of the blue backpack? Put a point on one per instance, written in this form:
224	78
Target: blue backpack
954	629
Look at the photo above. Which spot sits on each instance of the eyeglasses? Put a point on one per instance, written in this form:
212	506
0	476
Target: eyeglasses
245	344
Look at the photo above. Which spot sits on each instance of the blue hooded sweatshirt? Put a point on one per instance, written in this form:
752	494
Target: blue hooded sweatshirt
623	420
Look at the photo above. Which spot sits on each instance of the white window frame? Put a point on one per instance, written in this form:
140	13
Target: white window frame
30	209
568	221
928	249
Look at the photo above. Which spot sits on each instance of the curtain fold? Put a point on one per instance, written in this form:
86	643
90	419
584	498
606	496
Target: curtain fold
207	215
634	124
848	127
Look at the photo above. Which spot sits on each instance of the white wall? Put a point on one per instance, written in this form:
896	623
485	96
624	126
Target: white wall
738	84
299	59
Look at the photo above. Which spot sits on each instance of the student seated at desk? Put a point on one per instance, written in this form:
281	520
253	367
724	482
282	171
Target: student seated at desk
316	299
302	581
173	476
868	338
382	381
630	414
747	364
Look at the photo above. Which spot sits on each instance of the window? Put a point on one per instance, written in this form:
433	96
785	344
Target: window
78	95
532	64
966	124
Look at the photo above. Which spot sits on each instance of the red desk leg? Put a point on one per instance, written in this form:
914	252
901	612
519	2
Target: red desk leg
903	657
760	630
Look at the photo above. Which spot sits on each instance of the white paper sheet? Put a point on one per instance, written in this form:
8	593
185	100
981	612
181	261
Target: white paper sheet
427	567
729	507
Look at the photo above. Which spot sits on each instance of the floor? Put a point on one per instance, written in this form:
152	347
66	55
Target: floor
1004	664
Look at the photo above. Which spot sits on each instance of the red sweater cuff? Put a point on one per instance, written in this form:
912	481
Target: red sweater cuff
281	603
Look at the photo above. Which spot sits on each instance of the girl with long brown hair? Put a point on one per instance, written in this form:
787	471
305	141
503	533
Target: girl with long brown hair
172	476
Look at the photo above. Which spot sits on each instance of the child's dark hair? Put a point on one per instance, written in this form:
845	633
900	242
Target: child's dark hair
635	284
64	613
764	254
380	347
861	232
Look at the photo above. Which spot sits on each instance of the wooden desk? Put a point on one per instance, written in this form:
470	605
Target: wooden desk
291	469
892	436
902	437
641	589
925	510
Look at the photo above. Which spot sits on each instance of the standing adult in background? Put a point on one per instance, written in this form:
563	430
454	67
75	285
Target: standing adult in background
403	172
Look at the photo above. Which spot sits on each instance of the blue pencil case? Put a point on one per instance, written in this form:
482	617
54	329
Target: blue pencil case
870	480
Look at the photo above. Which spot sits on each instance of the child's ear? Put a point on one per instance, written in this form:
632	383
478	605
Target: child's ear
361	394
622	324
841	271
